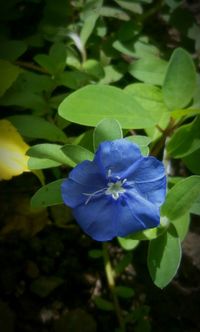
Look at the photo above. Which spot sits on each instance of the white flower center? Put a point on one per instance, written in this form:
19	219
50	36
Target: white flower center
115	189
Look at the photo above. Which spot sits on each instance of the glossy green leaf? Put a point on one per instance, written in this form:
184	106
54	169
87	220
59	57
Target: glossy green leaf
150	69
36	127
149	97
94	68
182	225
41	163
185	140
164	257
127	243
180	80
106	130
115	13
8	74
192	162
195	209
93	103
142	142
181	197
50	151
90	16
77	153
48	195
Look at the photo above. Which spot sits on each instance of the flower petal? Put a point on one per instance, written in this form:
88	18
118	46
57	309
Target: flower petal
136	215
87	173
116	156
149	179
97	218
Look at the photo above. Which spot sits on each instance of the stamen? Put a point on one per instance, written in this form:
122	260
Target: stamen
96	193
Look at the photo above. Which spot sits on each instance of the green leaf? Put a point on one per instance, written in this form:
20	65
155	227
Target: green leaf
43	286
150	69
91	14
12	49
130	5
37	127
41	163
48	195
103	304
192	162
115	13
8	74
50	151
182	225
127	243
185	140
180	80
93	103
152	233
142	142
77	153
149	97
181	197
95	253
124	292
164	257
195	209
93	68
106	130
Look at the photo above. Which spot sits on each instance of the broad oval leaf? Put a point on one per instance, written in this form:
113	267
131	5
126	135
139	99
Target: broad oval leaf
48	195
41	163
164	257
77	153
36	127
50	151
181	197
150	69
180	80
8	74
106	130
185	140
91	104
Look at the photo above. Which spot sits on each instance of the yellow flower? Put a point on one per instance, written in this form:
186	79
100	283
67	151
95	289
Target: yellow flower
13	159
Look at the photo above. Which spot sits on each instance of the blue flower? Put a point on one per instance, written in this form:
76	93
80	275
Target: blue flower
116	194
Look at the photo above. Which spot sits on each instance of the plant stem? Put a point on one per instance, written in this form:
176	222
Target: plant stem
111	285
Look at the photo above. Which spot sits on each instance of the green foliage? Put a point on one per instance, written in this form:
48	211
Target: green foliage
92	104
180	80
164	257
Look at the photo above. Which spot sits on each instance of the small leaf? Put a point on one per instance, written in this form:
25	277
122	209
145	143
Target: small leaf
106	130
37	127
95	253
150	69
103	304
182	225
48	195
185	140
180	80
41	163
50	151
192	162
164	257
141	141
195	209
181	197
77	153
93	103
8	74
127	243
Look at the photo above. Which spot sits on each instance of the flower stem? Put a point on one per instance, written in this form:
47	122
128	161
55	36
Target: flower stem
111	285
